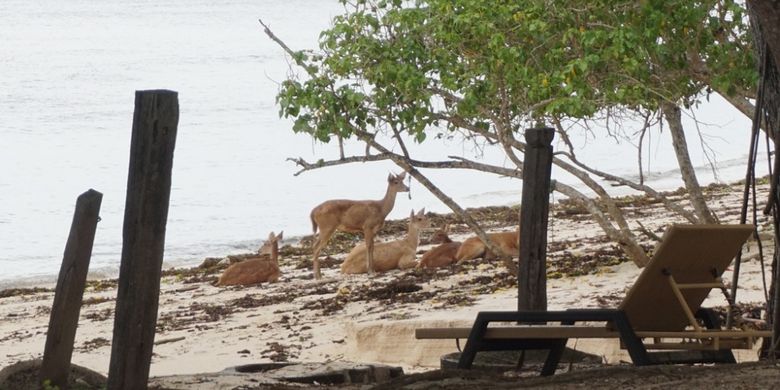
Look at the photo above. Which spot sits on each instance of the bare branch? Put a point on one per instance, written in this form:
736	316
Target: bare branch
284	46
617	179
648	232
307	166
459	163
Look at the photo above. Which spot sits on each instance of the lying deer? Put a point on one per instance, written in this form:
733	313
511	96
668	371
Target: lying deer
354	216
443	254
473	247
257	269
389	255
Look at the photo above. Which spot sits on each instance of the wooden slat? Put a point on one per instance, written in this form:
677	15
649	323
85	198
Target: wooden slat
708	334
578	332
531	332
700	285
723	344
683	304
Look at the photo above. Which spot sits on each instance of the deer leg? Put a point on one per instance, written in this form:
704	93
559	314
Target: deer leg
369	250
407	262
322	240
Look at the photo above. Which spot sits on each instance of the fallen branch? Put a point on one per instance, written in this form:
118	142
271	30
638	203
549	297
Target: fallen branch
648	233
171	340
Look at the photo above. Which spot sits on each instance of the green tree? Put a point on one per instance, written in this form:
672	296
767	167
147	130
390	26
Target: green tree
388	72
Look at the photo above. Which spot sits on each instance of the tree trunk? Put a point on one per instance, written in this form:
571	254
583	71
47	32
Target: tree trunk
764	17
673	118
766	13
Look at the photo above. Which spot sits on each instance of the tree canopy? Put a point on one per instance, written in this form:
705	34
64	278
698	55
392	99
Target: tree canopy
494	65
487	69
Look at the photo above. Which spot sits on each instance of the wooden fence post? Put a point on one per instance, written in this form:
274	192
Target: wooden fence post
532	270
155	123
69	293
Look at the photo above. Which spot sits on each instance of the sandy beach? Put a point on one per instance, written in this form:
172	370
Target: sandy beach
357	318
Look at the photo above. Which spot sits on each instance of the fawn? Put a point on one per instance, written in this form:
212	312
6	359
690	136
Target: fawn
389	255
442	255
257	269
473	247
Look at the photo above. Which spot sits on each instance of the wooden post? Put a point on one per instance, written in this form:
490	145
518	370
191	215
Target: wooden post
143	237
69	293
532	270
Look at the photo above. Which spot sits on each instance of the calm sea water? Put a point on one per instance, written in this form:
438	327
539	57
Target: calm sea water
68	72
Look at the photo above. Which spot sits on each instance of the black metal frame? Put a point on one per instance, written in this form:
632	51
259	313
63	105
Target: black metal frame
556	345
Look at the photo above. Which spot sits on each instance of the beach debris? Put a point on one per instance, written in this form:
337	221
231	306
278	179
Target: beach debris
93	344
210	262
170	340
278	352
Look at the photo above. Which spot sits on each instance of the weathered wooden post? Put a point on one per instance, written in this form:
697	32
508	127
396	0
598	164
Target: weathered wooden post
532	270
143	237
69	293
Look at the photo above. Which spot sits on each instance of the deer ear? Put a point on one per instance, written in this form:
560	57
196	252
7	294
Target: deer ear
390	177
421	212
281	234
401	176
271	236
412	214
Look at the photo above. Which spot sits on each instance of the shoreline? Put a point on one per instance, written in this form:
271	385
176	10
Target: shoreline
207	328
241	247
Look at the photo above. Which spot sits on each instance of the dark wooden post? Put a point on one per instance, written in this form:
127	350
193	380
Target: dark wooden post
69	293
532	270
143	237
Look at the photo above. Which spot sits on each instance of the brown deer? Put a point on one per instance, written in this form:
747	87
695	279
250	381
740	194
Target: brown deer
443	254
264	268
389	255
473	247
354	216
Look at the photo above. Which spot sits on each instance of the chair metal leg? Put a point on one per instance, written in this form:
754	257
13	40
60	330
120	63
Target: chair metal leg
553	358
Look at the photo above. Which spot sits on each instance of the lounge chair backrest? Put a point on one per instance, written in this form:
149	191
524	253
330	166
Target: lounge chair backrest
690	254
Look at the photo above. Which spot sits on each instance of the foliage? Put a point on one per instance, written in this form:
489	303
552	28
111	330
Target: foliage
493	66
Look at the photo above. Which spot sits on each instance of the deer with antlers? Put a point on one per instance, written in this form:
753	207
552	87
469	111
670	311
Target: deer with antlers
354	216
264	268
442	255
389	255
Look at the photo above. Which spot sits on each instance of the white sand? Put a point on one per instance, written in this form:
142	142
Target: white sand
363	331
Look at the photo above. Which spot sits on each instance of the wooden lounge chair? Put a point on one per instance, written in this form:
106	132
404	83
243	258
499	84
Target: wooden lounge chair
661	312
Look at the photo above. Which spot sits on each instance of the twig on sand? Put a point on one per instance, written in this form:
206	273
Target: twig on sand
171	340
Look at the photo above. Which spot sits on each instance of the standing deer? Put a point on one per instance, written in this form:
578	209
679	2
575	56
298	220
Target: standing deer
354	216
257	269
473	247
443	254
389	255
